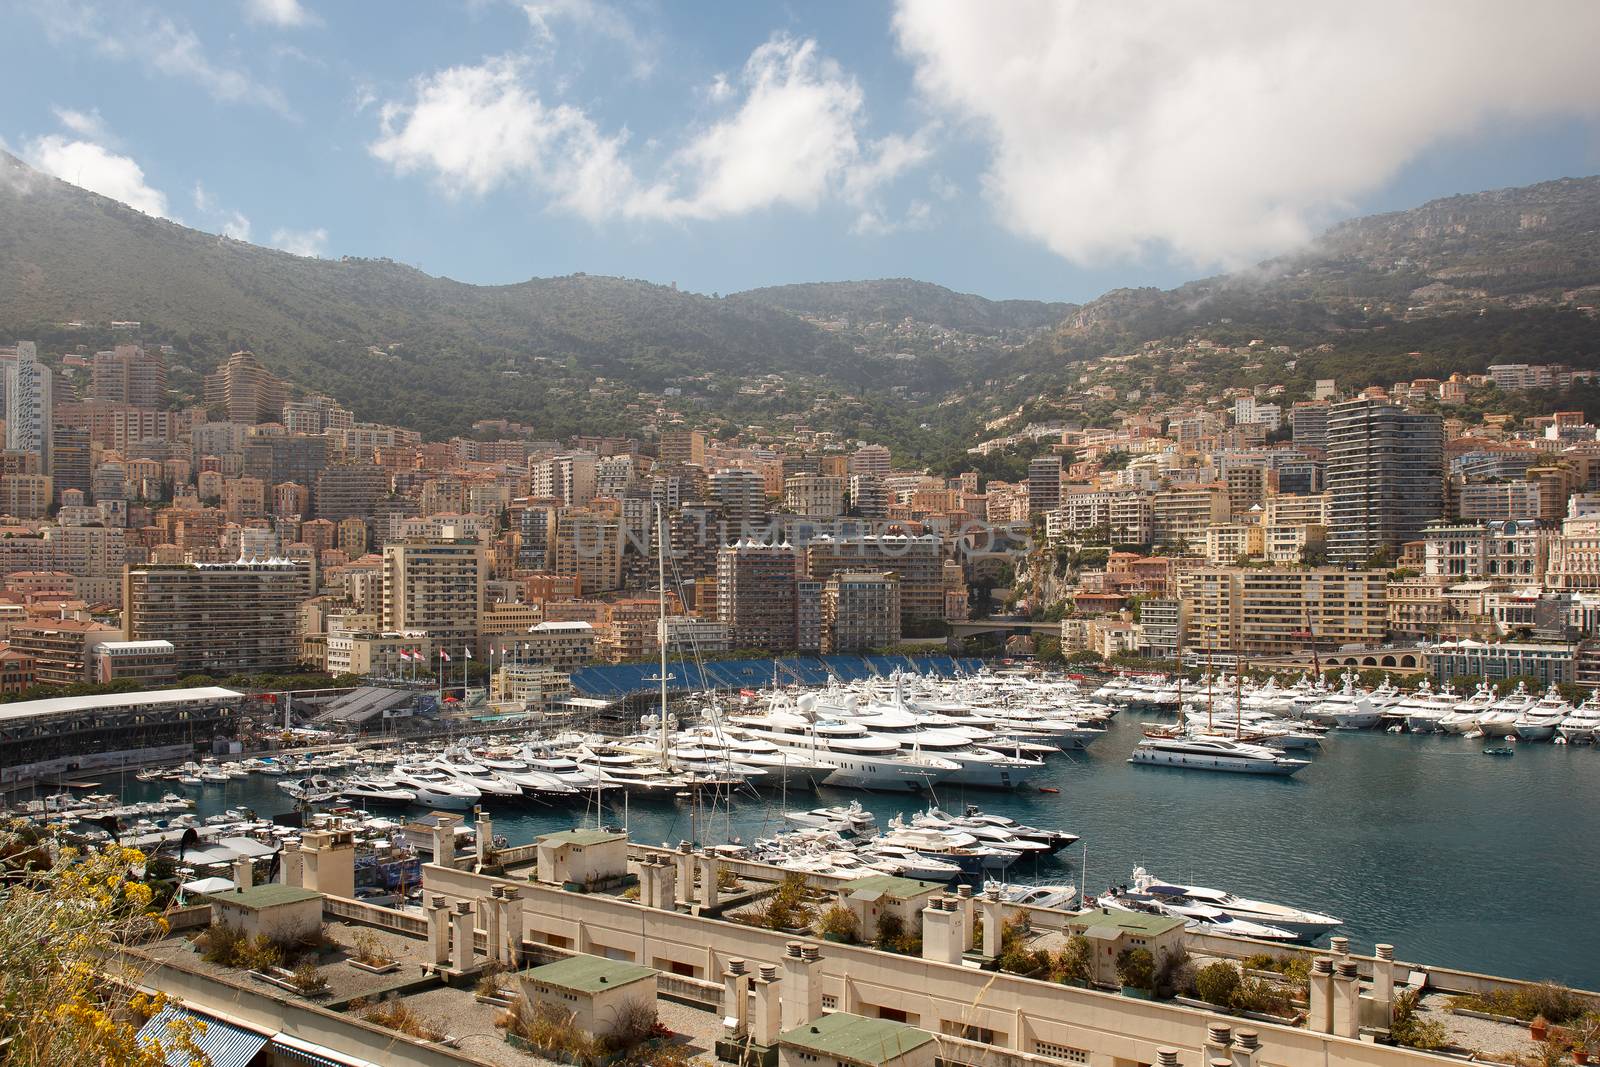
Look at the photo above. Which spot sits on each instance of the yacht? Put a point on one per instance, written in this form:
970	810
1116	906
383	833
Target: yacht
1201	918
1305	925
1580	727
857	758
849	818
1498	719
486	782
1061	897
1539	723
376	791
435	788
533	781
317	789
1458	718
1214	754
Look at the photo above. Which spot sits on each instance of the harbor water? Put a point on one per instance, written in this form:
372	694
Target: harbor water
1457	858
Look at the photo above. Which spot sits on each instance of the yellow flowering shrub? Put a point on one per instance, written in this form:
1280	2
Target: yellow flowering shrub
62	914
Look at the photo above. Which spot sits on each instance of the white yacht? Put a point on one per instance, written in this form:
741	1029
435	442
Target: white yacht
1539	723
376	791
1305	925
1580	727
435	788
1214	754
858	759
1201	918
481	778
1458	718
849	818
1498	719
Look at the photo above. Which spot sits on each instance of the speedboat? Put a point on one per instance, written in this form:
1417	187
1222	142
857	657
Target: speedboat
1305	925
1214	754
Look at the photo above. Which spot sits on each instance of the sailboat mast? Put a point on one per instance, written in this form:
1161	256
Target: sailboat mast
661	623
1208	689
1238	698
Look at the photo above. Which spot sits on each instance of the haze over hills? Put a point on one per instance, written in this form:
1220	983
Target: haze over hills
1464	281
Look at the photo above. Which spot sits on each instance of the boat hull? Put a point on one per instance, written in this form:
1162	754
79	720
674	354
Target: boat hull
1189	761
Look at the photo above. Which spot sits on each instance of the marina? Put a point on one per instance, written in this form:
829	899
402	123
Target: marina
1402	836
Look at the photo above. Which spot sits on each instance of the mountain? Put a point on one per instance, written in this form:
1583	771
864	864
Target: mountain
1456	284
393	342
894	300
1510	275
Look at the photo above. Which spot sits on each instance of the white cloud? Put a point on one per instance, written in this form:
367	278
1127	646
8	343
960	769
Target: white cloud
595	17
300	242
476	128
289	14
155	42
97	169
230	223
86	124
1222	132
790	135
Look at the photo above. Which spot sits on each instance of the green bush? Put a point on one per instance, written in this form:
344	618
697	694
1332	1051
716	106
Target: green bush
1075	962
839	922
1216	983
1136	967
1555	1002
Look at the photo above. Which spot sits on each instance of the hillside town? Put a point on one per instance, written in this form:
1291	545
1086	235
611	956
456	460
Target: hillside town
261	530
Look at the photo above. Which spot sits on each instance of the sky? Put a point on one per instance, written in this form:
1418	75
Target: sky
1043	149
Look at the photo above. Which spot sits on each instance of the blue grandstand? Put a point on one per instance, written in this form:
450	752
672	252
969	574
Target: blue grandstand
632	679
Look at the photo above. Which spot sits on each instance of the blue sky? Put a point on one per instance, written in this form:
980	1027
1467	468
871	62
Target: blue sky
1030	149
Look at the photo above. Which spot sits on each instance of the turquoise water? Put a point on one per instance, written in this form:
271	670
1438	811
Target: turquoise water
1457	858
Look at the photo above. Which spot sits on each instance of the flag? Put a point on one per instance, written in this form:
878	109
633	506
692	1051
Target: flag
444	655
467	652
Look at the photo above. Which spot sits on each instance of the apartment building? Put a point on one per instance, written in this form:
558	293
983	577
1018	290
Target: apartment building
916	561
436	586
221	618
1385	477
758	596
1272	611
860	611
1181	515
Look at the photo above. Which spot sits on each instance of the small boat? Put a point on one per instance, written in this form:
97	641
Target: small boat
1499	750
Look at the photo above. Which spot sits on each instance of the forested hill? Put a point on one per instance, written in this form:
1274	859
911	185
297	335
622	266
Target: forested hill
892	300
1456	284
1510	275
393	342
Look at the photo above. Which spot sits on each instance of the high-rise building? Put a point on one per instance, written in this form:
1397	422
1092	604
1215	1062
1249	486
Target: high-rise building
873	460
814	496
129	375
1044	484
917	562
294	458
71	455
1385	477
743	496
757	595
246	391
436	585
860	611
30	387
684	447
1273	611
569	477
222	618
350	490
587	544
1308	423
